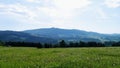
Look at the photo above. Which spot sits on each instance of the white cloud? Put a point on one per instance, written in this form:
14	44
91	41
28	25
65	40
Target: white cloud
64	9
33	1
61	8
64	4
101	13
112	3
71	4
17	9
57	14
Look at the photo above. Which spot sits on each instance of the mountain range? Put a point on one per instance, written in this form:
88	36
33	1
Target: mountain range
52	35
22	37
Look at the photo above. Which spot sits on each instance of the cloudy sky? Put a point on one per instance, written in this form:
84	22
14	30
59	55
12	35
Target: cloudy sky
101	16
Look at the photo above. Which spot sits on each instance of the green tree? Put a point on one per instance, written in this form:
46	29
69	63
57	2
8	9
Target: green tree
82	44
39	45
71	44
62	43
1	43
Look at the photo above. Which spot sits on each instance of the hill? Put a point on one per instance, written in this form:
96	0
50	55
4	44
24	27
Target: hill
53	35
20	36
73	35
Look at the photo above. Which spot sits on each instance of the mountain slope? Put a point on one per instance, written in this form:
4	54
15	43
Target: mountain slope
53	35
73	35
20	36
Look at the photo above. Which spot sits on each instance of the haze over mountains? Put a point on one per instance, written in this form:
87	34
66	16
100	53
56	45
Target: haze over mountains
52	35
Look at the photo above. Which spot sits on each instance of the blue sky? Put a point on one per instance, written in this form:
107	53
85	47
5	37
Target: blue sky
101	16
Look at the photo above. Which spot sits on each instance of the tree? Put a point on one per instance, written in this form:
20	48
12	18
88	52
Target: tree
82	44
39	45
116	44
1	43
47	45
100	45
62	43
92	44
76	44
71	44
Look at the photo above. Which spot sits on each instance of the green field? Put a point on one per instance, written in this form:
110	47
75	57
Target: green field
21	57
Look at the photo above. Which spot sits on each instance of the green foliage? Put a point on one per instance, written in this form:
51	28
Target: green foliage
116	44
23	57
62	43
1	43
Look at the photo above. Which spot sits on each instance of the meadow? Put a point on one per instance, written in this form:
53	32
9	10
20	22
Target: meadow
25	57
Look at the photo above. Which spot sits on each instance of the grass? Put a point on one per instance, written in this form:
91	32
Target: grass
22	57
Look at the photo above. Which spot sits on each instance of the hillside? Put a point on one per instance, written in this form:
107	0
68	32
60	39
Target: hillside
53	35
20	36
73	35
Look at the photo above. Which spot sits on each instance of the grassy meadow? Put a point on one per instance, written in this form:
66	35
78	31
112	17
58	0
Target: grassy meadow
24	57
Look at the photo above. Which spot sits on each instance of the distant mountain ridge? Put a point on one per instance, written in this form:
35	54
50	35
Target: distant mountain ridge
54	35
22	37
73	35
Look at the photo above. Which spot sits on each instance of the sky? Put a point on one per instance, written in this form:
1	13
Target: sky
101	16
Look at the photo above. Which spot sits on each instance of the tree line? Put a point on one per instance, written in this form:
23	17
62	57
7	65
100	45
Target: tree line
61	44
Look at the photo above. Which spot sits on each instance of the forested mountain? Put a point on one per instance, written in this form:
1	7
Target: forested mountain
54	35
25	37
73	35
